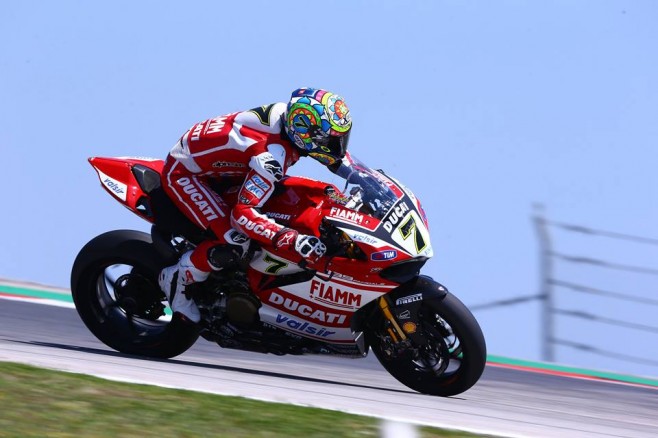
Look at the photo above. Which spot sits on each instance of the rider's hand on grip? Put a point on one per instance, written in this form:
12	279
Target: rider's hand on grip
309	247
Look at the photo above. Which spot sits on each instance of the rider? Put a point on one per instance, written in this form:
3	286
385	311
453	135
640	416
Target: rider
253	148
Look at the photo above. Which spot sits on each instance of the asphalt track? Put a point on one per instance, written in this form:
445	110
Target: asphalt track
505	402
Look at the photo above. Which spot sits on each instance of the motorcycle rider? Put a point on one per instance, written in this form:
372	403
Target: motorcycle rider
253	148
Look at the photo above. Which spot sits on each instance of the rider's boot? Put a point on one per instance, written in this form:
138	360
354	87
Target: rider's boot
174	279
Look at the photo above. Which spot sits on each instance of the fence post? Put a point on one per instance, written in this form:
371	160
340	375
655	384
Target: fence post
545	285
397	429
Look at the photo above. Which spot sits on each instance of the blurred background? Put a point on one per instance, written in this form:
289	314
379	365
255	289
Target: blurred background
527	129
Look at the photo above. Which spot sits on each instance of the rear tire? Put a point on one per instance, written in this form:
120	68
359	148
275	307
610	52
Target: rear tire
454	358
126	313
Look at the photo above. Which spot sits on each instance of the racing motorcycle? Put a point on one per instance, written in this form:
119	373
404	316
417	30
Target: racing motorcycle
365	294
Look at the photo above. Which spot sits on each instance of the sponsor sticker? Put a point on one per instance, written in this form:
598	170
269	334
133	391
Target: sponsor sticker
221	164
348	215
404	315
409	327
260	182
275	215
256	228
303	310
333	295
382	256
254	189
117	188
197	198
359	237
408	299
236	237
216	124
302	326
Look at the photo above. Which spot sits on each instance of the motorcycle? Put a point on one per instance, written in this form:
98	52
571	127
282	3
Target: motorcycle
365	294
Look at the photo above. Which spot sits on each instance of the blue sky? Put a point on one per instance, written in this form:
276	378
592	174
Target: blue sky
482	108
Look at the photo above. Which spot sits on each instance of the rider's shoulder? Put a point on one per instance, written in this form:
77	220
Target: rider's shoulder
266	118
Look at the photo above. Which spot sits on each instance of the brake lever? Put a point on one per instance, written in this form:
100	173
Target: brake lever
304	265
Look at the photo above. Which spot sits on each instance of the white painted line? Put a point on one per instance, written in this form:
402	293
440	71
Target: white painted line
44	301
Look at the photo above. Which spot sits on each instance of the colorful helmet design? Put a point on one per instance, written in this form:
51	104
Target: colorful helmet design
319	122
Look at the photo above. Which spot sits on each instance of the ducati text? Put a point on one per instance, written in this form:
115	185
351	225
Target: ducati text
256	228
197	198
395	215
306	310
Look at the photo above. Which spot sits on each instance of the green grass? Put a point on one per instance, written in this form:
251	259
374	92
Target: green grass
36	402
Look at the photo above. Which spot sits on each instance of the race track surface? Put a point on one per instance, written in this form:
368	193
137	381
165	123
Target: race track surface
505	402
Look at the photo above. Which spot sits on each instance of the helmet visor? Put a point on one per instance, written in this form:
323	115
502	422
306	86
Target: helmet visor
330	148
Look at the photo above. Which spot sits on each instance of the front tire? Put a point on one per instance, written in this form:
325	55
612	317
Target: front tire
452	360
116	293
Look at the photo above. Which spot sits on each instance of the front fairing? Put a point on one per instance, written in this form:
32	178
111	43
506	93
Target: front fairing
401	222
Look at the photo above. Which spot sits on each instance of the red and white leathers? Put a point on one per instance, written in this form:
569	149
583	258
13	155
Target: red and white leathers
248	148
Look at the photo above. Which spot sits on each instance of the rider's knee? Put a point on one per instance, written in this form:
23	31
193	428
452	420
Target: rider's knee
224	256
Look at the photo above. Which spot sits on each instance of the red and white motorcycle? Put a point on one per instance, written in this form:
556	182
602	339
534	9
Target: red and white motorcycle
365	293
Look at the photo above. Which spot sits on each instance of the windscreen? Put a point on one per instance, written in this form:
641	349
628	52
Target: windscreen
365	190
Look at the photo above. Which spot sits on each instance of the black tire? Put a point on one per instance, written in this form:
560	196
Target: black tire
126	313
455	337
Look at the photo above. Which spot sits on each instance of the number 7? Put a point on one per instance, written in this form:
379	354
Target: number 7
409	227
275	264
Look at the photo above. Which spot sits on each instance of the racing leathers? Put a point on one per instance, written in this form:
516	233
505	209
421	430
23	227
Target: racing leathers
248	151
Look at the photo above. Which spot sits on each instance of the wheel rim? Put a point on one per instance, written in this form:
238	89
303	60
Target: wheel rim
442	355
129	302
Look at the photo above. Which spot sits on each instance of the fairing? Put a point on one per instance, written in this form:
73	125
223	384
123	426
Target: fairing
402	222
377	213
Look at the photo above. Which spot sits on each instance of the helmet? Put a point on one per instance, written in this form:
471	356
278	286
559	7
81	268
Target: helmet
319	123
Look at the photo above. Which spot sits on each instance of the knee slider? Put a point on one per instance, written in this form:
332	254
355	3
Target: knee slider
224	256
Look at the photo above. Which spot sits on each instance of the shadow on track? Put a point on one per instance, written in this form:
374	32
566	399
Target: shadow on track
208	366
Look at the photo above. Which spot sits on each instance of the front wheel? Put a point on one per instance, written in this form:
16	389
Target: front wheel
115	291
451	360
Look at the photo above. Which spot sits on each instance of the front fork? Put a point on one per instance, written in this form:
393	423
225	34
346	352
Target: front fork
393	328
403	323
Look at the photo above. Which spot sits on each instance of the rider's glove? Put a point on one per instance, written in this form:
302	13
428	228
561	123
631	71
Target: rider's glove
309	247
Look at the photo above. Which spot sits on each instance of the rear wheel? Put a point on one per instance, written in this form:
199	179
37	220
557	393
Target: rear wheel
450	362
115	291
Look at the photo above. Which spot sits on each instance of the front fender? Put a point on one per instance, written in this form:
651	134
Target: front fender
406	297
419	288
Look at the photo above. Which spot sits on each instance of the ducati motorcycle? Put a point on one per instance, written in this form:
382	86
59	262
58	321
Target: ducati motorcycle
365	294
